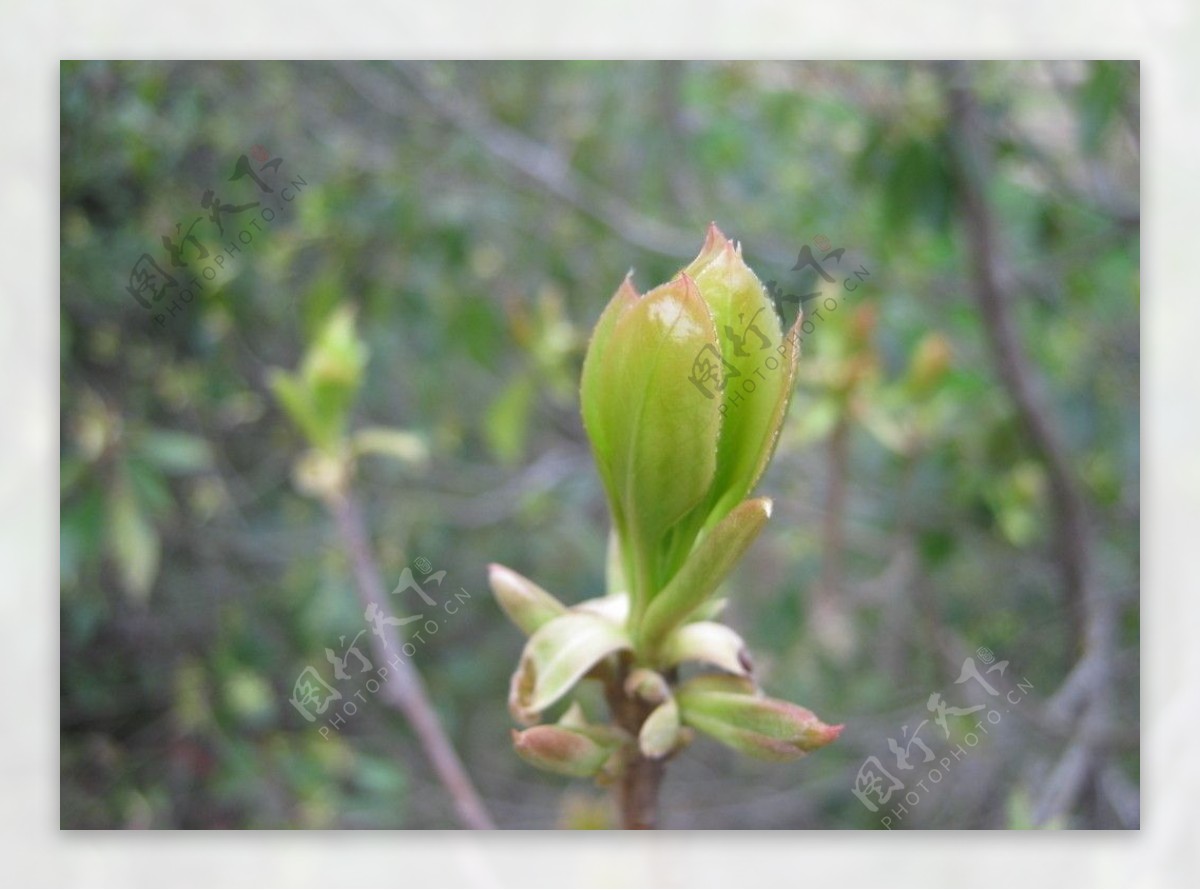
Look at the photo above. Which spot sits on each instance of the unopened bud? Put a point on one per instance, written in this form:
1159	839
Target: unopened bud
560	749
734	712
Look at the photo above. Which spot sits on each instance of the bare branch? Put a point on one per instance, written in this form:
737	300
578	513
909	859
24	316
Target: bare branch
404	688
1091	610
542	165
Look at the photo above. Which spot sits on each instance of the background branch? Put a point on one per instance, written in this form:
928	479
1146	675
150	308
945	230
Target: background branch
404	689
1091	611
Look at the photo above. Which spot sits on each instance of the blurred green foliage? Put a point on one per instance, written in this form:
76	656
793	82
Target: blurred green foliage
476	218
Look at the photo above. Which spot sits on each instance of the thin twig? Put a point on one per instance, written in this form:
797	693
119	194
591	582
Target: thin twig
404	688
832	627
544	166
995	305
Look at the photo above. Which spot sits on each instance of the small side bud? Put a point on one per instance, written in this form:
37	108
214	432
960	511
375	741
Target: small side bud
647	685
559	749
735	713
324	475
661	733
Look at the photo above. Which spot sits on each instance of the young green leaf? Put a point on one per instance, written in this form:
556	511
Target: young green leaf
755	398
556	658
526	604
653	433
709	642
705	568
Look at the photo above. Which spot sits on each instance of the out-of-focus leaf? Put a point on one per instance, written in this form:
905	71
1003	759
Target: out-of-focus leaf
1100	98
409	448
250	697
507	421
319	397
133	541
149	487
817	419
70	471
173	451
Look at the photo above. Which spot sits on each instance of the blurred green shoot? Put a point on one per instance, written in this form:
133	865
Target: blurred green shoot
319	398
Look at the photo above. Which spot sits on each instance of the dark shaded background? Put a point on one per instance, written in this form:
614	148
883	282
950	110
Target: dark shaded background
959	469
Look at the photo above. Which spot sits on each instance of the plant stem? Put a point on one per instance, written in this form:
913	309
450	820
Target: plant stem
404	689
638	786
637	793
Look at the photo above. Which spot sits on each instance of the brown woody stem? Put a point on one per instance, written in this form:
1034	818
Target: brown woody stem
637	793
640	780
404	689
